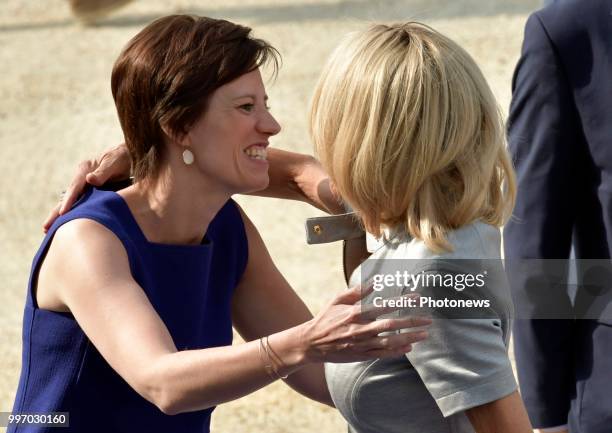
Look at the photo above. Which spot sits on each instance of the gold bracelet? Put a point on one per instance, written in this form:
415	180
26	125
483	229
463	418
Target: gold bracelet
267	366
272	357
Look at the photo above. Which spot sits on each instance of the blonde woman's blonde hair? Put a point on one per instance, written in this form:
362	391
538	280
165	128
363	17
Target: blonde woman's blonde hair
408	129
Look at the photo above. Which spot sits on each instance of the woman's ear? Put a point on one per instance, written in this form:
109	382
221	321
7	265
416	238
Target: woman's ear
180	143
174	137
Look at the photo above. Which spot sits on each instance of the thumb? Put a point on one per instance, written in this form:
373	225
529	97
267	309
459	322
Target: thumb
97	177
102	173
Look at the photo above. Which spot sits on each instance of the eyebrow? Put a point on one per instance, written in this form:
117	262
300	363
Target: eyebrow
250	95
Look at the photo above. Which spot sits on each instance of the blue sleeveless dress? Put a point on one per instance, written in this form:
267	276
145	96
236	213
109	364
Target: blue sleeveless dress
190	287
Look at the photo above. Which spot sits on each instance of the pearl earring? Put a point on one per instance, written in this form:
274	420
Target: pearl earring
188	157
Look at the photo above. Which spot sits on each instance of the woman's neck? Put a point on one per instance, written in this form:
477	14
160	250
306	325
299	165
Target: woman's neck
174	208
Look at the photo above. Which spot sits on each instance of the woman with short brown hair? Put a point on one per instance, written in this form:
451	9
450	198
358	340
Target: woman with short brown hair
133	294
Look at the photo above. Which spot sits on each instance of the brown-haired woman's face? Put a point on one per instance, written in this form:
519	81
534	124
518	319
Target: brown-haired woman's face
229	140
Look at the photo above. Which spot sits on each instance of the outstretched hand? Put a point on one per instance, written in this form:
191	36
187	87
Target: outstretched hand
113	164
347	331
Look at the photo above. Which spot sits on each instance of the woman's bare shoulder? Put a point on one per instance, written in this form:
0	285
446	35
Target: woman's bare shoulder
81	249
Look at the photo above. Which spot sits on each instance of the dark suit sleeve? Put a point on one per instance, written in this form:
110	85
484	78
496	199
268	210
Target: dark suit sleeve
543	129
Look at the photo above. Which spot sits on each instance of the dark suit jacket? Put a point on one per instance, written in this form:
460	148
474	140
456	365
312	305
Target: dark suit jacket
560	134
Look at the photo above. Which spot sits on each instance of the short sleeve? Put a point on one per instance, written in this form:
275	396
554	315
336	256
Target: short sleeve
464	363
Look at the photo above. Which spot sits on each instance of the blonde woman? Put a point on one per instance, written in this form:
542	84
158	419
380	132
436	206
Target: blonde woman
409	132
420	155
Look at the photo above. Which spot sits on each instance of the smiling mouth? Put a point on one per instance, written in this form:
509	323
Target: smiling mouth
256	152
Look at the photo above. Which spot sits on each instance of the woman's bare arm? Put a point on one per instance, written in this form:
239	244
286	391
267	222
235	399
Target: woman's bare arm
88	268
293	176
264	292
297	176
506	415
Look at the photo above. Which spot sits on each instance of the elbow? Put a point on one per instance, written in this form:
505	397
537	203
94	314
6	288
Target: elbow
162	396
157	388
168	407
166	394
171	402
166	399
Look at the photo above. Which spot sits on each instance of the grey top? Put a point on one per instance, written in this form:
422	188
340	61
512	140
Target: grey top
464	362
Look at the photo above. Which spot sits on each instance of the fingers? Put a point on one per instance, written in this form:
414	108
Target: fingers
70	196
96	177
113	164
359	292
353	295
370	312
344	333
394	341
104	170
382	353
373	329
390	325
76	187
385	346
51	217
101	171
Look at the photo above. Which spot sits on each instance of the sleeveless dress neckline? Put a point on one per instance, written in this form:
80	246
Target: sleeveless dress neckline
204	246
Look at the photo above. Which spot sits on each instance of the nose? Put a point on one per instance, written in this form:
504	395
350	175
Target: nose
268	124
